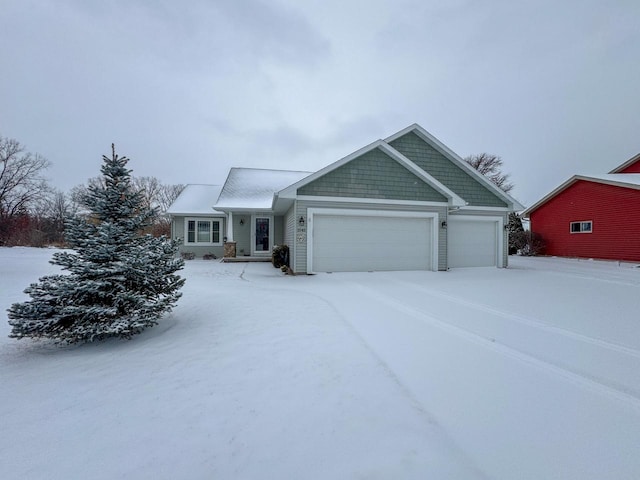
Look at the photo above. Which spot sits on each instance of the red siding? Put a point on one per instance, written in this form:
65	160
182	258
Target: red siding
633	168
614	211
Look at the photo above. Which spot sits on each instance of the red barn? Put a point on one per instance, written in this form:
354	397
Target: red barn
592	216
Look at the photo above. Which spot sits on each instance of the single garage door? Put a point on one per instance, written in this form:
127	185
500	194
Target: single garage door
472	243
353	243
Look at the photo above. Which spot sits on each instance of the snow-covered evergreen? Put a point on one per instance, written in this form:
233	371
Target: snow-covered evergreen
119	280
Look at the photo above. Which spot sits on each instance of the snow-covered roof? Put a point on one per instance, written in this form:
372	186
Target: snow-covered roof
625	180
253	188
196	199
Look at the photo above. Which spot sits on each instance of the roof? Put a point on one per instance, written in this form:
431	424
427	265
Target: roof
254	188
626	164
196	199
624	180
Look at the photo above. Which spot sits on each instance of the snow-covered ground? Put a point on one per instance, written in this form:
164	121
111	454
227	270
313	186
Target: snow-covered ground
531	372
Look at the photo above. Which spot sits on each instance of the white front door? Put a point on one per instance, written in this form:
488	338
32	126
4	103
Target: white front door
261	235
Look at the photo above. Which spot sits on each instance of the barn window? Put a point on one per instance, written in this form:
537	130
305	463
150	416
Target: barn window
582	227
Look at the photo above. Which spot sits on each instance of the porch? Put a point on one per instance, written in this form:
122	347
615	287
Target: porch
246	258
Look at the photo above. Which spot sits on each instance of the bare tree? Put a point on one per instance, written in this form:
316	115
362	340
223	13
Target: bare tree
22	186
149	187
491	167
167	195
51	214
21	177
77	195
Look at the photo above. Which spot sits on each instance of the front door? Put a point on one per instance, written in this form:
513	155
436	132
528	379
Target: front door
262	241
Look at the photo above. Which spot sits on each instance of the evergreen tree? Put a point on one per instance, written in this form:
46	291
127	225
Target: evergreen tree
515	233
119	281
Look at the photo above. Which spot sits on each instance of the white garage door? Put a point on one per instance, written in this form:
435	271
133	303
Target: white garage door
472	243
352	243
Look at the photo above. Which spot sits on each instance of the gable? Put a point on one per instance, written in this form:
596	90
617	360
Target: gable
626	181
445	171
373	174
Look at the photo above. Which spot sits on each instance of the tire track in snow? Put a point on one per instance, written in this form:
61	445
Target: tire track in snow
629	277
502	349
625	379
325	296
524	320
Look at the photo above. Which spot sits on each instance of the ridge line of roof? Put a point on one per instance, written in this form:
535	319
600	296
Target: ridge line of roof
587	178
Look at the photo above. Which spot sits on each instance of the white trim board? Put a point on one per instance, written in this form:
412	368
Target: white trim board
374	201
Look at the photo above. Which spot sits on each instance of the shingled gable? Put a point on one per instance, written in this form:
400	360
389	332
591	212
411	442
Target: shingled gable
501	197
451	197
630	166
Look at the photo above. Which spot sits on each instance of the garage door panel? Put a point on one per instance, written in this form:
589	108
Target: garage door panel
472	243
363	243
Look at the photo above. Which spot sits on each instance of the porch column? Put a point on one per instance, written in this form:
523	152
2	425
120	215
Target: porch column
229	249
230	227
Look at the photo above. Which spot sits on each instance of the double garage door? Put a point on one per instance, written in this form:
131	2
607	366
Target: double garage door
356	242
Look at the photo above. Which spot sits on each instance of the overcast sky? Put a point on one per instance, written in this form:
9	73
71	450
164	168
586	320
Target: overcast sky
187	90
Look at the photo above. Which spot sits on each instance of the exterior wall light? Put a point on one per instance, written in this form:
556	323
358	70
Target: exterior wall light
301	221
443	224
242	221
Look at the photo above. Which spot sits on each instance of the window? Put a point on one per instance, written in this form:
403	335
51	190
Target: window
581	227
203	232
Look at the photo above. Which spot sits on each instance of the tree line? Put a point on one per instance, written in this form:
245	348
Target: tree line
34	213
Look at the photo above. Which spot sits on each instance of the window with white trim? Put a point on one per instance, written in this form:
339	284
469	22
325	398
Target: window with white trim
581	227
203	231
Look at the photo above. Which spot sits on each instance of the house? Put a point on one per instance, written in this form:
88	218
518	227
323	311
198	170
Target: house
403	203
592	216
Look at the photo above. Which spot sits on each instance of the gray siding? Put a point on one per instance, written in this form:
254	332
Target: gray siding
177	232
278	230
242	233
290	231
289	227
373	175
446	172
299	257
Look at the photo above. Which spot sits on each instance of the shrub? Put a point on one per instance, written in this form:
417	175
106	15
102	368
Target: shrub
529	243
280	256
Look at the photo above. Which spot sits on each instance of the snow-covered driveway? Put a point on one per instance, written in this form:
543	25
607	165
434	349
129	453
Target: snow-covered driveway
534	371
528	372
